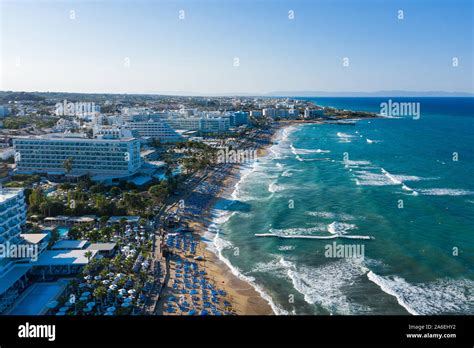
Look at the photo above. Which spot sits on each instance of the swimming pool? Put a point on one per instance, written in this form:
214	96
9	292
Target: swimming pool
37	297
63	231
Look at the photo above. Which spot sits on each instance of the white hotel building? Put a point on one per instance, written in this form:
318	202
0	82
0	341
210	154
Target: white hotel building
102	156
12	214
12	219
155	129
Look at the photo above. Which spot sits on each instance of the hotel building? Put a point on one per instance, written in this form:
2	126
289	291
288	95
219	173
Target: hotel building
154	129
104	156
12	219
12	214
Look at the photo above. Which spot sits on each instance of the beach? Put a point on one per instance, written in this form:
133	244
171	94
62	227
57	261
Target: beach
241	294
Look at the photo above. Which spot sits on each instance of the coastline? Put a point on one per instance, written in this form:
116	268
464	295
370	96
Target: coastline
247	297
244	295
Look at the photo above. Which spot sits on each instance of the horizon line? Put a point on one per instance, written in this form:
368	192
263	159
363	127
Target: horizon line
274	94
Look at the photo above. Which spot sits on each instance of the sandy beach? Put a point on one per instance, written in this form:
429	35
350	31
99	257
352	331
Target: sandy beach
244	299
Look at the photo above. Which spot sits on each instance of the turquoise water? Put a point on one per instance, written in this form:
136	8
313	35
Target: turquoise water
36	299
405	183
63	231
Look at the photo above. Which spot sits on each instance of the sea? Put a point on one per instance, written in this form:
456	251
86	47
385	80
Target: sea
371	218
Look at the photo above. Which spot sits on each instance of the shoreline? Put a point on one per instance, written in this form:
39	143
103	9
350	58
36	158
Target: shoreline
245	296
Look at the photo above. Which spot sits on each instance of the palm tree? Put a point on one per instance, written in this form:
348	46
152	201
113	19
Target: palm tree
68	164
88	254
100	293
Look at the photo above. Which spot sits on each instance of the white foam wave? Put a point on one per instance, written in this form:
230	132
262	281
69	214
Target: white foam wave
390	177
217	246
298	230
307	151
274	187
330	215
302	236
444	296
445	192
325	285
339	228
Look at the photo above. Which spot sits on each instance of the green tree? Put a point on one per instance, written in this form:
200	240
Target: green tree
88	254
159	192
68	164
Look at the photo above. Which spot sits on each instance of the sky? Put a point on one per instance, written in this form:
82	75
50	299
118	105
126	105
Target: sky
232	47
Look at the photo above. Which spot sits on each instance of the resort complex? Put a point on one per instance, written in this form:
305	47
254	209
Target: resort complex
103	212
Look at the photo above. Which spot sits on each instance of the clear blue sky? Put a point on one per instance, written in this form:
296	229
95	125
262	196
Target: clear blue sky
43	49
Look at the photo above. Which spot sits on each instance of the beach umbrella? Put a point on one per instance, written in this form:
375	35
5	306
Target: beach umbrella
86	293
52	304
131	291
109	313
111	309
204	312
83	298
193	292
125	304
63	309
91	304
60	313
128	300
87	309
105	282
192	312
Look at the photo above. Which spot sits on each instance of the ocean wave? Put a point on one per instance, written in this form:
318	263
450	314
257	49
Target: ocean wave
325	285
274	187
287	173
217	245
337	227
356	163
306	151
302	236
299	230
445	296
445	192
390	177
329	215
244	173
344	135
367	178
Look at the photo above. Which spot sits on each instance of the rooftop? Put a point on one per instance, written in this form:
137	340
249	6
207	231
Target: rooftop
34	238
64	258
71	137
69	244
15	273
102	246
7	193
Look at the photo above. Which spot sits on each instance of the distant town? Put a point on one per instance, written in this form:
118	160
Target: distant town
103	196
